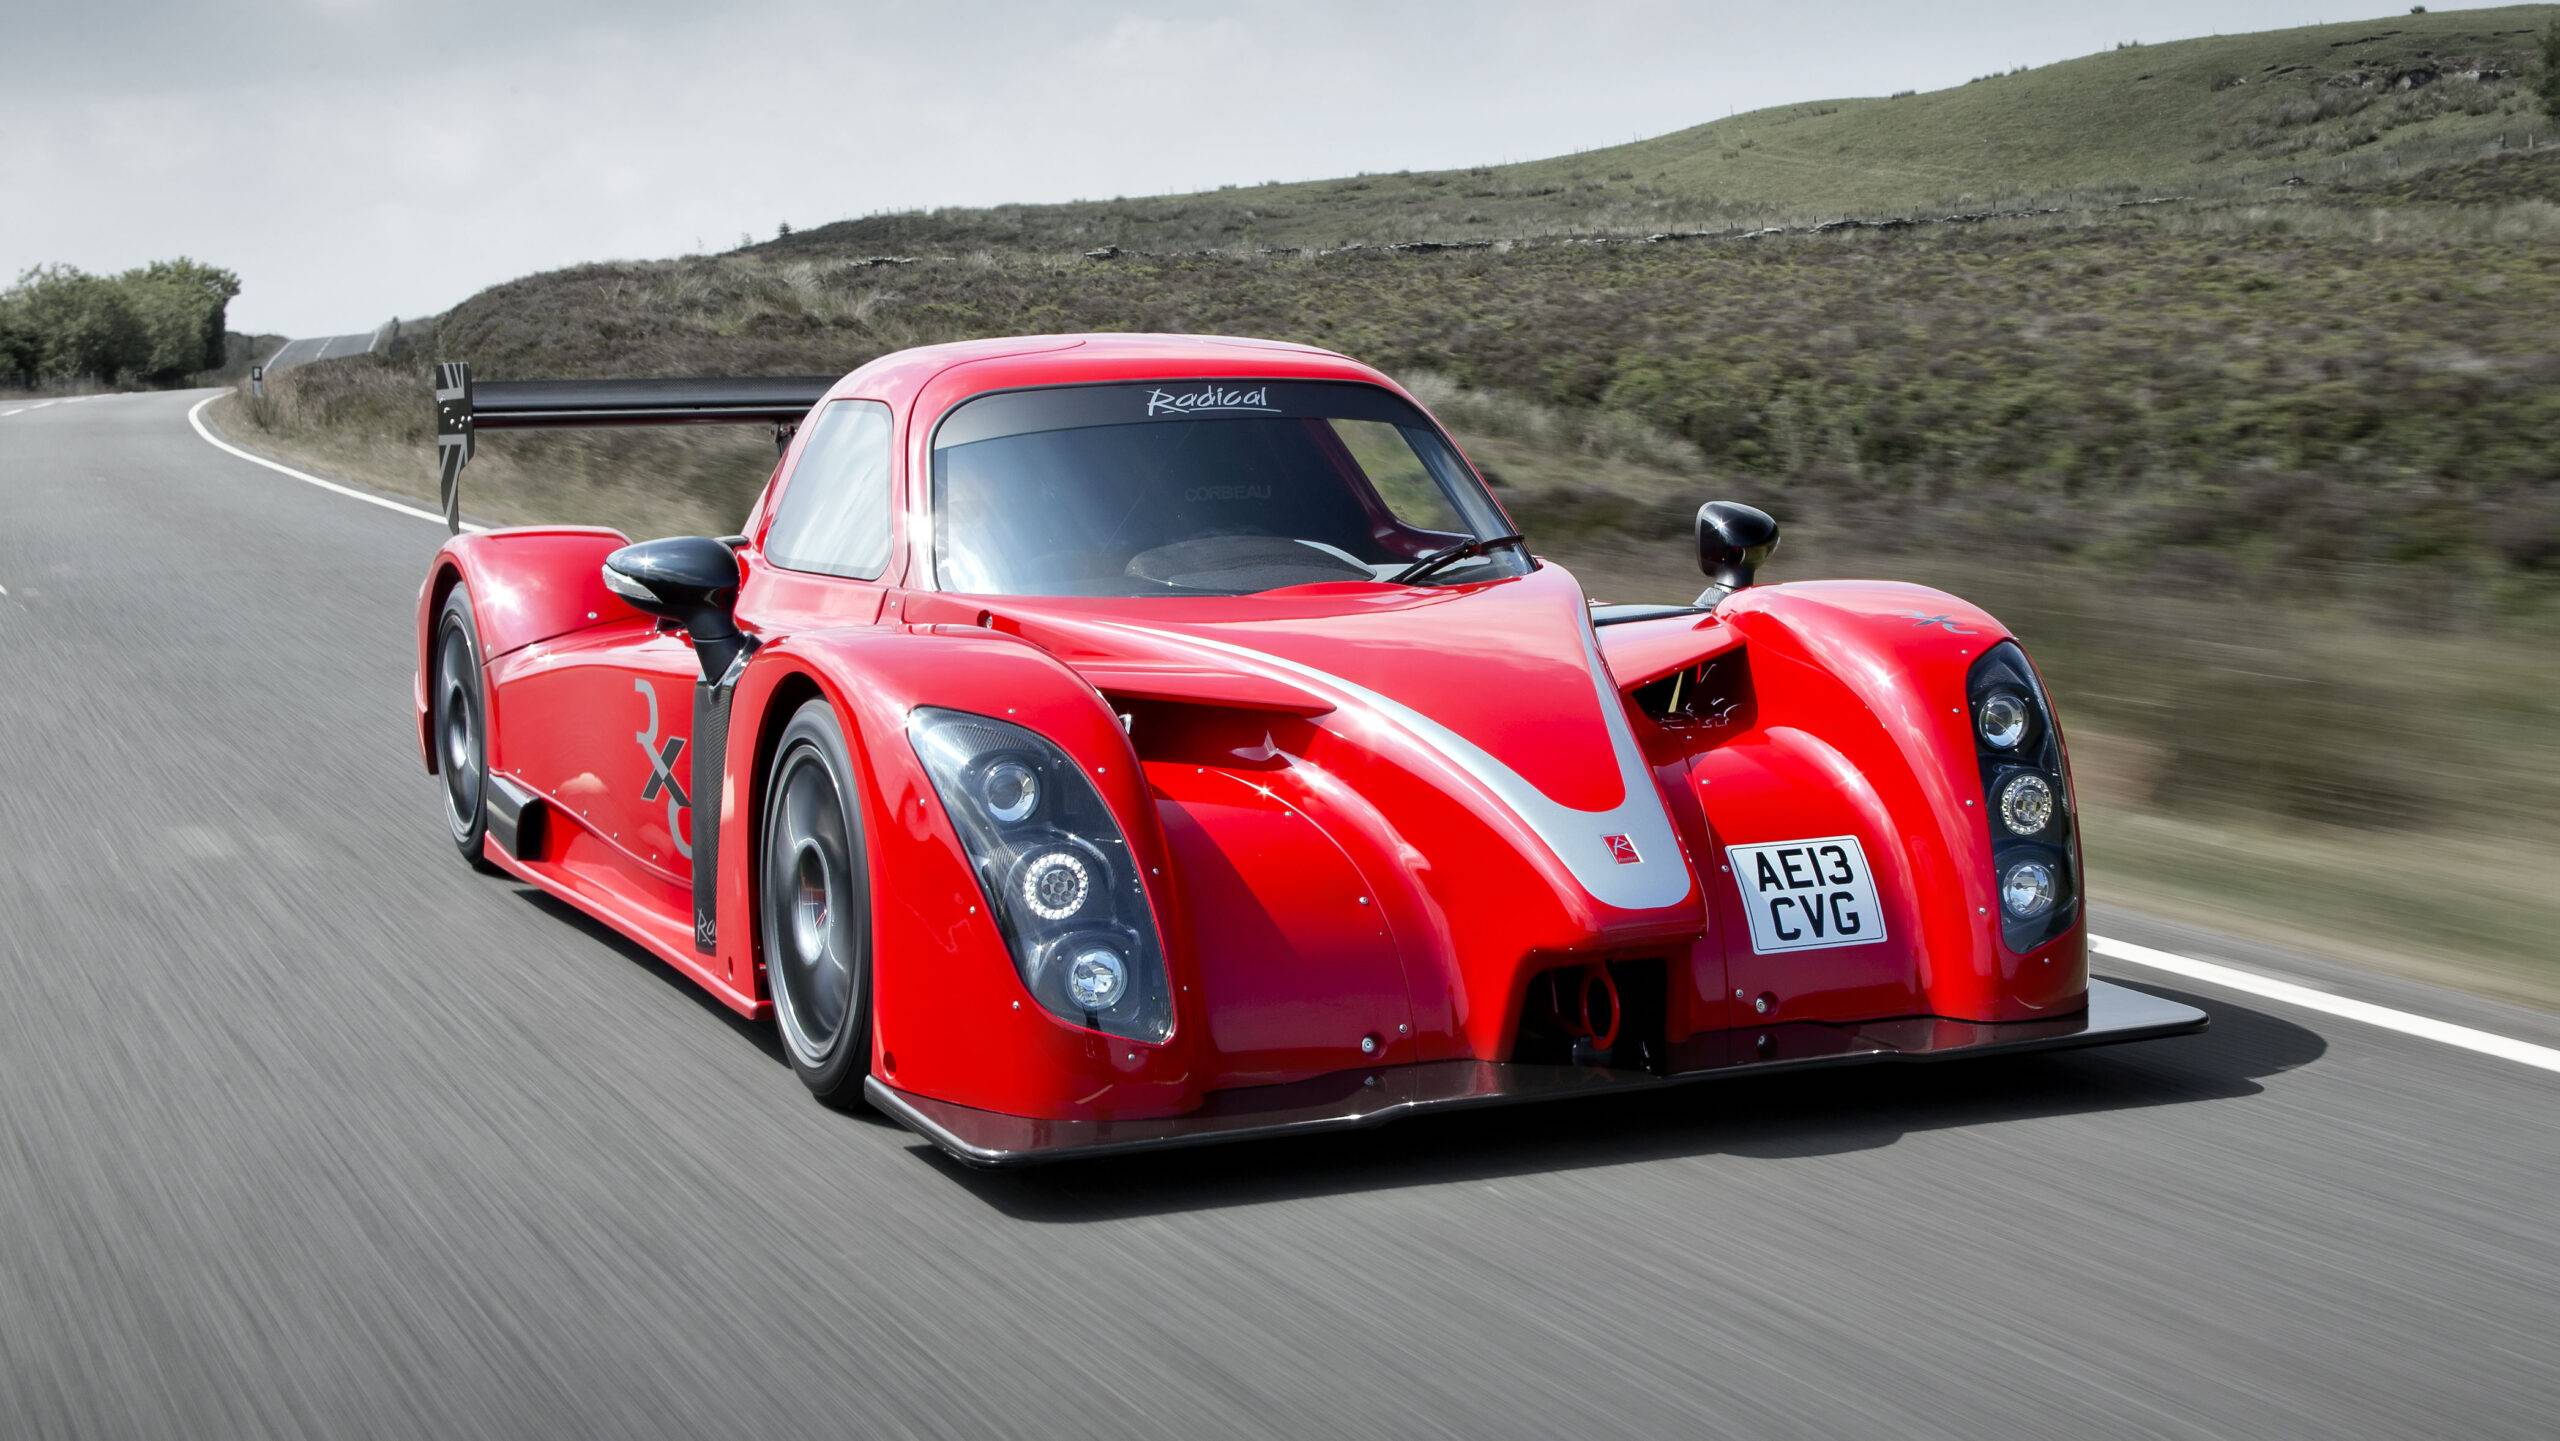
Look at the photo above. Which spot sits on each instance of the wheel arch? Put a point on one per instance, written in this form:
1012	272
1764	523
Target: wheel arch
525	585
792	690
950	1017
442	577
1861	689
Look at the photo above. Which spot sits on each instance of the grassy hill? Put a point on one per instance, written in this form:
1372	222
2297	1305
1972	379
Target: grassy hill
2226	114
2266	476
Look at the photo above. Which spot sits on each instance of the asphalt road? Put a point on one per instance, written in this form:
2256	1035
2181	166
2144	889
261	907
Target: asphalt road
309	348
310	1131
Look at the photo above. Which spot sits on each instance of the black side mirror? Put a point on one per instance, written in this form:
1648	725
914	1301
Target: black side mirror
691	580
1733	541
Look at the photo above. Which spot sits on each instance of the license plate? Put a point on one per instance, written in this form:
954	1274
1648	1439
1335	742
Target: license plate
1807	895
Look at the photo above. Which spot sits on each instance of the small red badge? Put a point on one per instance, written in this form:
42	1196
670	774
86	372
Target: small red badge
1623	851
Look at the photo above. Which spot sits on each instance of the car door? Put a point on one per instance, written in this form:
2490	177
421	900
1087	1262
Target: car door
612	750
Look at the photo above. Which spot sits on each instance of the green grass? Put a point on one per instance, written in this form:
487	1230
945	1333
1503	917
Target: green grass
2506	178
2221	115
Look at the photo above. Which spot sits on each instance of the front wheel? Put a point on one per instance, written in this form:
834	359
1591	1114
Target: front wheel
813	904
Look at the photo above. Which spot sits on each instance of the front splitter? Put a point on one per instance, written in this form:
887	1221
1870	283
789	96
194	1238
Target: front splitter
1348	1100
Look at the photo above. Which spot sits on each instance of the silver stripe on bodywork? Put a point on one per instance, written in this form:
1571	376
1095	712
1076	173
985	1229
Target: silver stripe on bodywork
1579	838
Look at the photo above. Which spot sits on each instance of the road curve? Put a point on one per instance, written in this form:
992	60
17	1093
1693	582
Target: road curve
311	1131
305	349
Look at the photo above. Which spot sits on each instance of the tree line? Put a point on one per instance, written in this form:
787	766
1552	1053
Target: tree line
155	324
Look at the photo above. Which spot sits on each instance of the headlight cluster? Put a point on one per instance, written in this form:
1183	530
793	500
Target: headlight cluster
2033	849
1056	871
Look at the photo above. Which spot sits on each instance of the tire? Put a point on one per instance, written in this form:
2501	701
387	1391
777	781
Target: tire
458	727
813	906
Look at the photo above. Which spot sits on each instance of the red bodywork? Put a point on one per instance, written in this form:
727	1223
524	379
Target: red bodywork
1323	783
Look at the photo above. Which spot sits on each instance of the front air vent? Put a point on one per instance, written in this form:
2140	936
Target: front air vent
1714	694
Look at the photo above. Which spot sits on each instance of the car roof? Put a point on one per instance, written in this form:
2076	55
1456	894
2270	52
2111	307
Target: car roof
969	367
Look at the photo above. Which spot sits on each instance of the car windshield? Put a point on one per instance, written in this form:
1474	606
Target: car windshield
1221	487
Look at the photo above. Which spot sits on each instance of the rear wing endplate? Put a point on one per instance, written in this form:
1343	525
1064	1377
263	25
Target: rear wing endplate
464	408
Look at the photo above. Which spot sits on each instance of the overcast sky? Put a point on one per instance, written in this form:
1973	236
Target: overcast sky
356	159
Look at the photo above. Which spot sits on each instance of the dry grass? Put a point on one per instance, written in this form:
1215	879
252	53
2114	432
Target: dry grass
613	479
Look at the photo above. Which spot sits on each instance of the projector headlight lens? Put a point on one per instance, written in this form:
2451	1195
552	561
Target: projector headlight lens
1010	791
2026	804
1097	977
2002	721
2026	890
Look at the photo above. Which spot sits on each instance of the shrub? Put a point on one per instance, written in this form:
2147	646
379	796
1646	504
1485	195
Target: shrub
84	325
2550	86
20	348
160	323
182	307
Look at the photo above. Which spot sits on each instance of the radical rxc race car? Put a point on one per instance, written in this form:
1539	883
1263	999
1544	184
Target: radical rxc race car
1098	743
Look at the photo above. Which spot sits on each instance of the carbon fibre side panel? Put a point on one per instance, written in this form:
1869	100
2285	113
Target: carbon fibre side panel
710	752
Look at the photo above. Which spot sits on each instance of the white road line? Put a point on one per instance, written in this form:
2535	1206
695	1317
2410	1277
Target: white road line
195	417
2442	1032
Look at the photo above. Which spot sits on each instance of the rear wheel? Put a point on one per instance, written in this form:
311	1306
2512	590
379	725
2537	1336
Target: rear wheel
813	903
458	715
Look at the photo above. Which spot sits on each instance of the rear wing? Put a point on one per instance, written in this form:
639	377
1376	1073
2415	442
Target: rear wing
464	408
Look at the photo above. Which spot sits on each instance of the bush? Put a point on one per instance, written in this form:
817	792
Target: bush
84	325
2550	86
182	307
159	323
20	349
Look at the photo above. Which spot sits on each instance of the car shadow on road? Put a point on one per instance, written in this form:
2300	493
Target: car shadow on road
759	1034
756	1033
1773	1118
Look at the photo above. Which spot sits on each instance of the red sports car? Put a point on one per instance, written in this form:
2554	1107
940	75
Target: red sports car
1094	743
